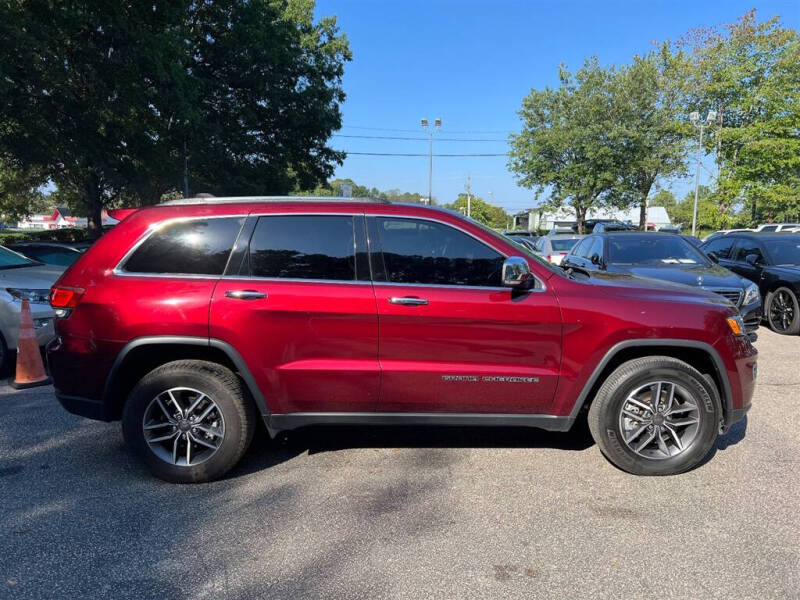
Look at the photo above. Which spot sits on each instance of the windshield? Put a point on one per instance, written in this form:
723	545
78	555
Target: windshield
655	251
12	260
785	251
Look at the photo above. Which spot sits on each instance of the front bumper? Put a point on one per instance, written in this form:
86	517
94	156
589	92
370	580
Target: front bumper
751	315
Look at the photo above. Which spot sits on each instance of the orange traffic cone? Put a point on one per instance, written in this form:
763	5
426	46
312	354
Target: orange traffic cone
30	369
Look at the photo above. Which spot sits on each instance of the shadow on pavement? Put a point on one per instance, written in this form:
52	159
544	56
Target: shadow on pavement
265	453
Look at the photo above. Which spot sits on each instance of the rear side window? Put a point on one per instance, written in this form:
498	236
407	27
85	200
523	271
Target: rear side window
720	246
419	251
305	247
194	247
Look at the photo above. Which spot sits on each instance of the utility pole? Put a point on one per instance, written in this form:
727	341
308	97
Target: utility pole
437	123
469	197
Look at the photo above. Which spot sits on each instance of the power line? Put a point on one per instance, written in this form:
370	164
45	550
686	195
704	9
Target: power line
414	154
392	137
416	130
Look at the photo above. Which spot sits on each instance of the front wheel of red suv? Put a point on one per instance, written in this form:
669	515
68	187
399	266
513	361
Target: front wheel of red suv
654	416
189	420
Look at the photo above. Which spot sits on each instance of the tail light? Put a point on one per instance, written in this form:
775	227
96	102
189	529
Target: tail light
63	299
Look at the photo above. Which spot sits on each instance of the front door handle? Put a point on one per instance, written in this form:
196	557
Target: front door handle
408	301
245	294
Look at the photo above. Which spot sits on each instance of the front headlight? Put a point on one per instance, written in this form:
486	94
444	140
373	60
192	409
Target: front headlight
31	295
751	294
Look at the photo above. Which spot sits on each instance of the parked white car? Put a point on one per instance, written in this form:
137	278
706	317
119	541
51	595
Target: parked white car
556	246
769	227
23	278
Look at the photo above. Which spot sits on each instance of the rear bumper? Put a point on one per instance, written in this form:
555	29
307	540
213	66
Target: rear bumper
84	407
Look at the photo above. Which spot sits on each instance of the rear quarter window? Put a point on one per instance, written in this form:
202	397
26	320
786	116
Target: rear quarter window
191	247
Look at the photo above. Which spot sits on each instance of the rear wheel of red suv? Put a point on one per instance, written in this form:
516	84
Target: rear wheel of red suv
654	416
189	420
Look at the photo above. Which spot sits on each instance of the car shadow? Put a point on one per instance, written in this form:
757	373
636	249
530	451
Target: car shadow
265	452
733	436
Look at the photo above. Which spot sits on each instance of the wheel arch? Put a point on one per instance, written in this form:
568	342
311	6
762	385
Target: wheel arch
700	355
140	356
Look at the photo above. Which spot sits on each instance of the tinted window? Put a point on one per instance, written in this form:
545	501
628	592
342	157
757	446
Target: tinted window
417	251
195	247
653	250
720	246
746	247
304	247
580	249
564	245
784	250
596	248
770	228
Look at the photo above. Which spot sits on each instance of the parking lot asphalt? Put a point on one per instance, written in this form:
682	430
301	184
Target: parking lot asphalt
403	512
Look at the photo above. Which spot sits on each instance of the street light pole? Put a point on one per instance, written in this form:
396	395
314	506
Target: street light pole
694	117
437	123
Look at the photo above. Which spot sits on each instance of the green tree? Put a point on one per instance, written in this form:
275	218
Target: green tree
569	140
749	72
650	95
481	211
108	99
20	192
664	198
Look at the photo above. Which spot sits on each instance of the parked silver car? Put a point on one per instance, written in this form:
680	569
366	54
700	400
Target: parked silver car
555	247
21	277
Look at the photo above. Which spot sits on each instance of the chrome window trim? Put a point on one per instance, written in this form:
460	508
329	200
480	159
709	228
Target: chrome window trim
152	228
294	280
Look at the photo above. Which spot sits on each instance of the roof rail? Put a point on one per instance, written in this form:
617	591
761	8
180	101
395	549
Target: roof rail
206	199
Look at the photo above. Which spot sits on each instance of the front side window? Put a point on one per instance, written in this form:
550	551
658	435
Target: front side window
746	247
305	247
427	252
720	246
580	249
194	247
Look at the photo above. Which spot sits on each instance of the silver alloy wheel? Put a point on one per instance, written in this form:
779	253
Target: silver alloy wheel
659	420
183	426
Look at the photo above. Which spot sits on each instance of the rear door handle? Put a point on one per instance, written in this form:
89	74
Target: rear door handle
245	294
408	301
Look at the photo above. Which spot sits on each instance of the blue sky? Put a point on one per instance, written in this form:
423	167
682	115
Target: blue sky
471	63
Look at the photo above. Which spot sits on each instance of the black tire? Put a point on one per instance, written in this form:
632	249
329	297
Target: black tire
605	420
218	383
782	311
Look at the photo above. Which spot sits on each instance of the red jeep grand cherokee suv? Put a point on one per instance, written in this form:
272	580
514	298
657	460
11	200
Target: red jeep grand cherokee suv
191	318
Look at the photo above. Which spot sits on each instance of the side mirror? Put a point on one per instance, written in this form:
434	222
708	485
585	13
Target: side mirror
713	256
517	273
752	259
595	259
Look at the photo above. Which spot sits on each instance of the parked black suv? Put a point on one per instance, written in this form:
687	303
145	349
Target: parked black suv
772	261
